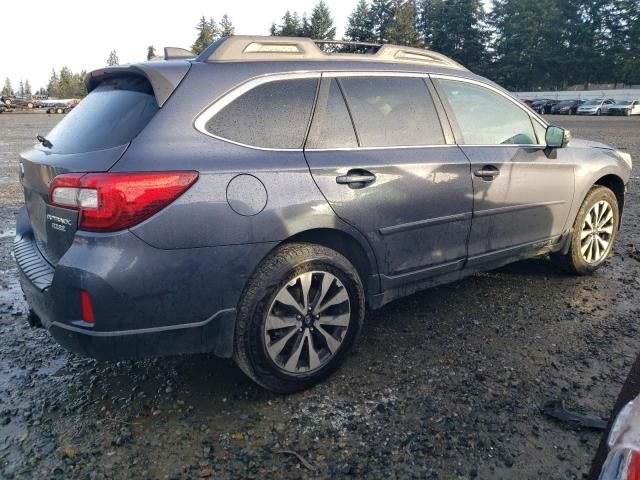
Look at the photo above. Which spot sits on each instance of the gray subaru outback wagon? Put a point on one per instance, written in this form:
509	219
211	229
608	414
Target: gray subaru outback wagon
256	200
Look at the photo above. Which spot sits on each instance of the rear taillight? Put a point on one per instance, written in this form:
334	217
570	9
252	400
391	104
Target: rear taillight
108	202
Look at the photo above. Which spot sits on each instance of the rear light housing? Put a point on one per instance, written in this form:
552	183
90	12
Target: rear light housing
108	202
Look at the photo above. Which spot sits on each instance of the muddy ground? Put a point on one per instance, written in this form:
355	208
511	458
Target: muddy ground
447	383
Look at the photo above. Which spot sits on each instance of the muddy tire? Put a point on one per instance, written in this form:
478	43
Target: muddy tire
594	233
299	315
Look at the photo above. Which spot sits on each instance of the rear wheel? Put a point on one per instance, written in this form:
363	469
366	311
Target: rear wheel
29	105
300	313
59	110
599	112
594	233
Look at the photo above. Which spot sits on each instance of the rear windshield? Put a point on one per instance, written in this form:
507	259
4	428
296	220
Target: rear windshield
110	116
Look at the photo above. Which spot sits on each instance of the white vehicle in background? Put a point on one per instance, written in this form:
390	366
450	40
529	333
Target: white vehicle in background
597	106
627	108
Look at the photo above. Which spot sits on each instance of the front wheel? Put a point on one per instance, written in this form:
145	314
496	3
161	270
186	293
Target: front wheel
599	112
594	233
300	313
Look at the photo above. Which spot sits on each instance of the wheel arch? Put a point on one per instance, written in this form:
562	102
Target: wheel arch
347	245
616	185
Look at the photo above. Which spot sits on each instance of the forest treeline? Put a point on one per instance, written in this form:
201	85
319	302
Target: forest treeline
522	44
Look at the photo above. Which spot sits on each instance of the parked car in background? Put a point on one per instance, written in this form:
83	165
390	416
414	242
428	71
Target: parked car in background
526	101
597	106
626	107
22	102
544	106
342	182
566	107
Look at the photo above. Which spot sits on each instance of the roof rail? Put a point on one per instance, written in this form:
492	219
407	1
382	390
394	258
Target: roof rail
243	48
173	53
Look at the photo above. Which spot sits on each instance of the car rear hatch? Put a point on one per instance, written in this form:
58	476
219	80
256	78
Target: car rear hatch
91	138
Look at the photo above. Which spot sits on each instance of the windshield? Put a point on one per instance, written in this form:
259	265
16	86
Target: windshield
110	116
594	102
566	103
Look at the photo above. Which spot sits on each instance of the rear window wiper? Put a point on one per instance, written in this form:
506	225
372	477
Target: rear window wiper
45	143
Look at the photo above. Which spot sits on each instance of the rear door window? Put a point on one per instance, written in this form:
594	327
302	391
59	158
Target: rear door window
111	115
272	115
486	117
331	126
392	111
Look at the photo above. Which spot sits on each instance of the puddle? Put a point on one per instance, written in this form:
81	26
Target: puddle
7	233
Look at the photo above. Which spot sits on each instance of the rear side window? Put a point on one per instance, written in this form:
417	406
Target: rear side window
331	126
272	115
392	111
111	115
486	117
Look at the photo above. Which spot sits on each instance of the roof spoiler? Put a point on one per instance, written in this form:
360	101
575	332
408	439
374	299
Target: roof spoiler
164	77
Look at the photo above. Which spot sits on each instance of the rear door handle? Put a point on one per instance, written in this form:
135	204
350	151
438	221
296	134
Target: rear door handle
487	173
356	178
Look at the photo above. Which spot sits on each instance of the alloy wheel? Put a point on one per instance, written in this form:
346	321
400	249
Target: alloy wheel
307	322
597	232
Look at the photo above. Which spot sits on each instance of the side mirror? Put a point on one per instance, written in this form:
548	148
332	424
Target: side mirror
557	137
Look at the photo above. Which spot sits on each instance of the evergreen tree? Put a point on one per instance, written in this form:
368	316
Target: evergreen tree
381	19
273	31
113	59
321	24
456	28
53	87
290	26
403	28
151	52
27	88
207	33
7	90
430	20
359	27
528	43
226	27
21	89
305	26
631	58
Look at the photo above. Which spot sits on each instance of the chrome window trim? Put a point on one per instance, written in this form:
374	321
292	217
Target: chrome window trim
227	98
524	108
394	147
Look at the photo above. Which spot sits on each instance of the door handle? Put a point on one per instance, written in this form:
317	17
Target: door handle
356	179
487	173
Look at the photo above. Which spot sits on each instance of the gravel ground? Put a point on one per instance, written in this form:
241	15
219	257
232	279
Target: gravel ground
447	383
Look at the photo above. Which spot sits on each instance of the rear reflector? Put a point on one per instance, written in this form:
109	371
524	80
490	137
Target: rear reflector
108	202
87	307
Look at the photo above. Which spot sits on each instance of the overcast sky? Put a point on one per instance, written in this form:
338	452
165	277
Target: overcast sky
80	34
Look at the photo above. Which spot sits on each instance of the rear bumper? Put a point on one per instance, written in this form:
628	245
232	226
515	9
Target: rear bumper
213	335
146	301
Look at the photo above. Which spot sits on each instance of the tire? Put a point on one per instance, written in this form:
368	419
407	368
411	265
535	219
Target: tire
574	261
599	112
283	270
29	105
59	110
7	101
